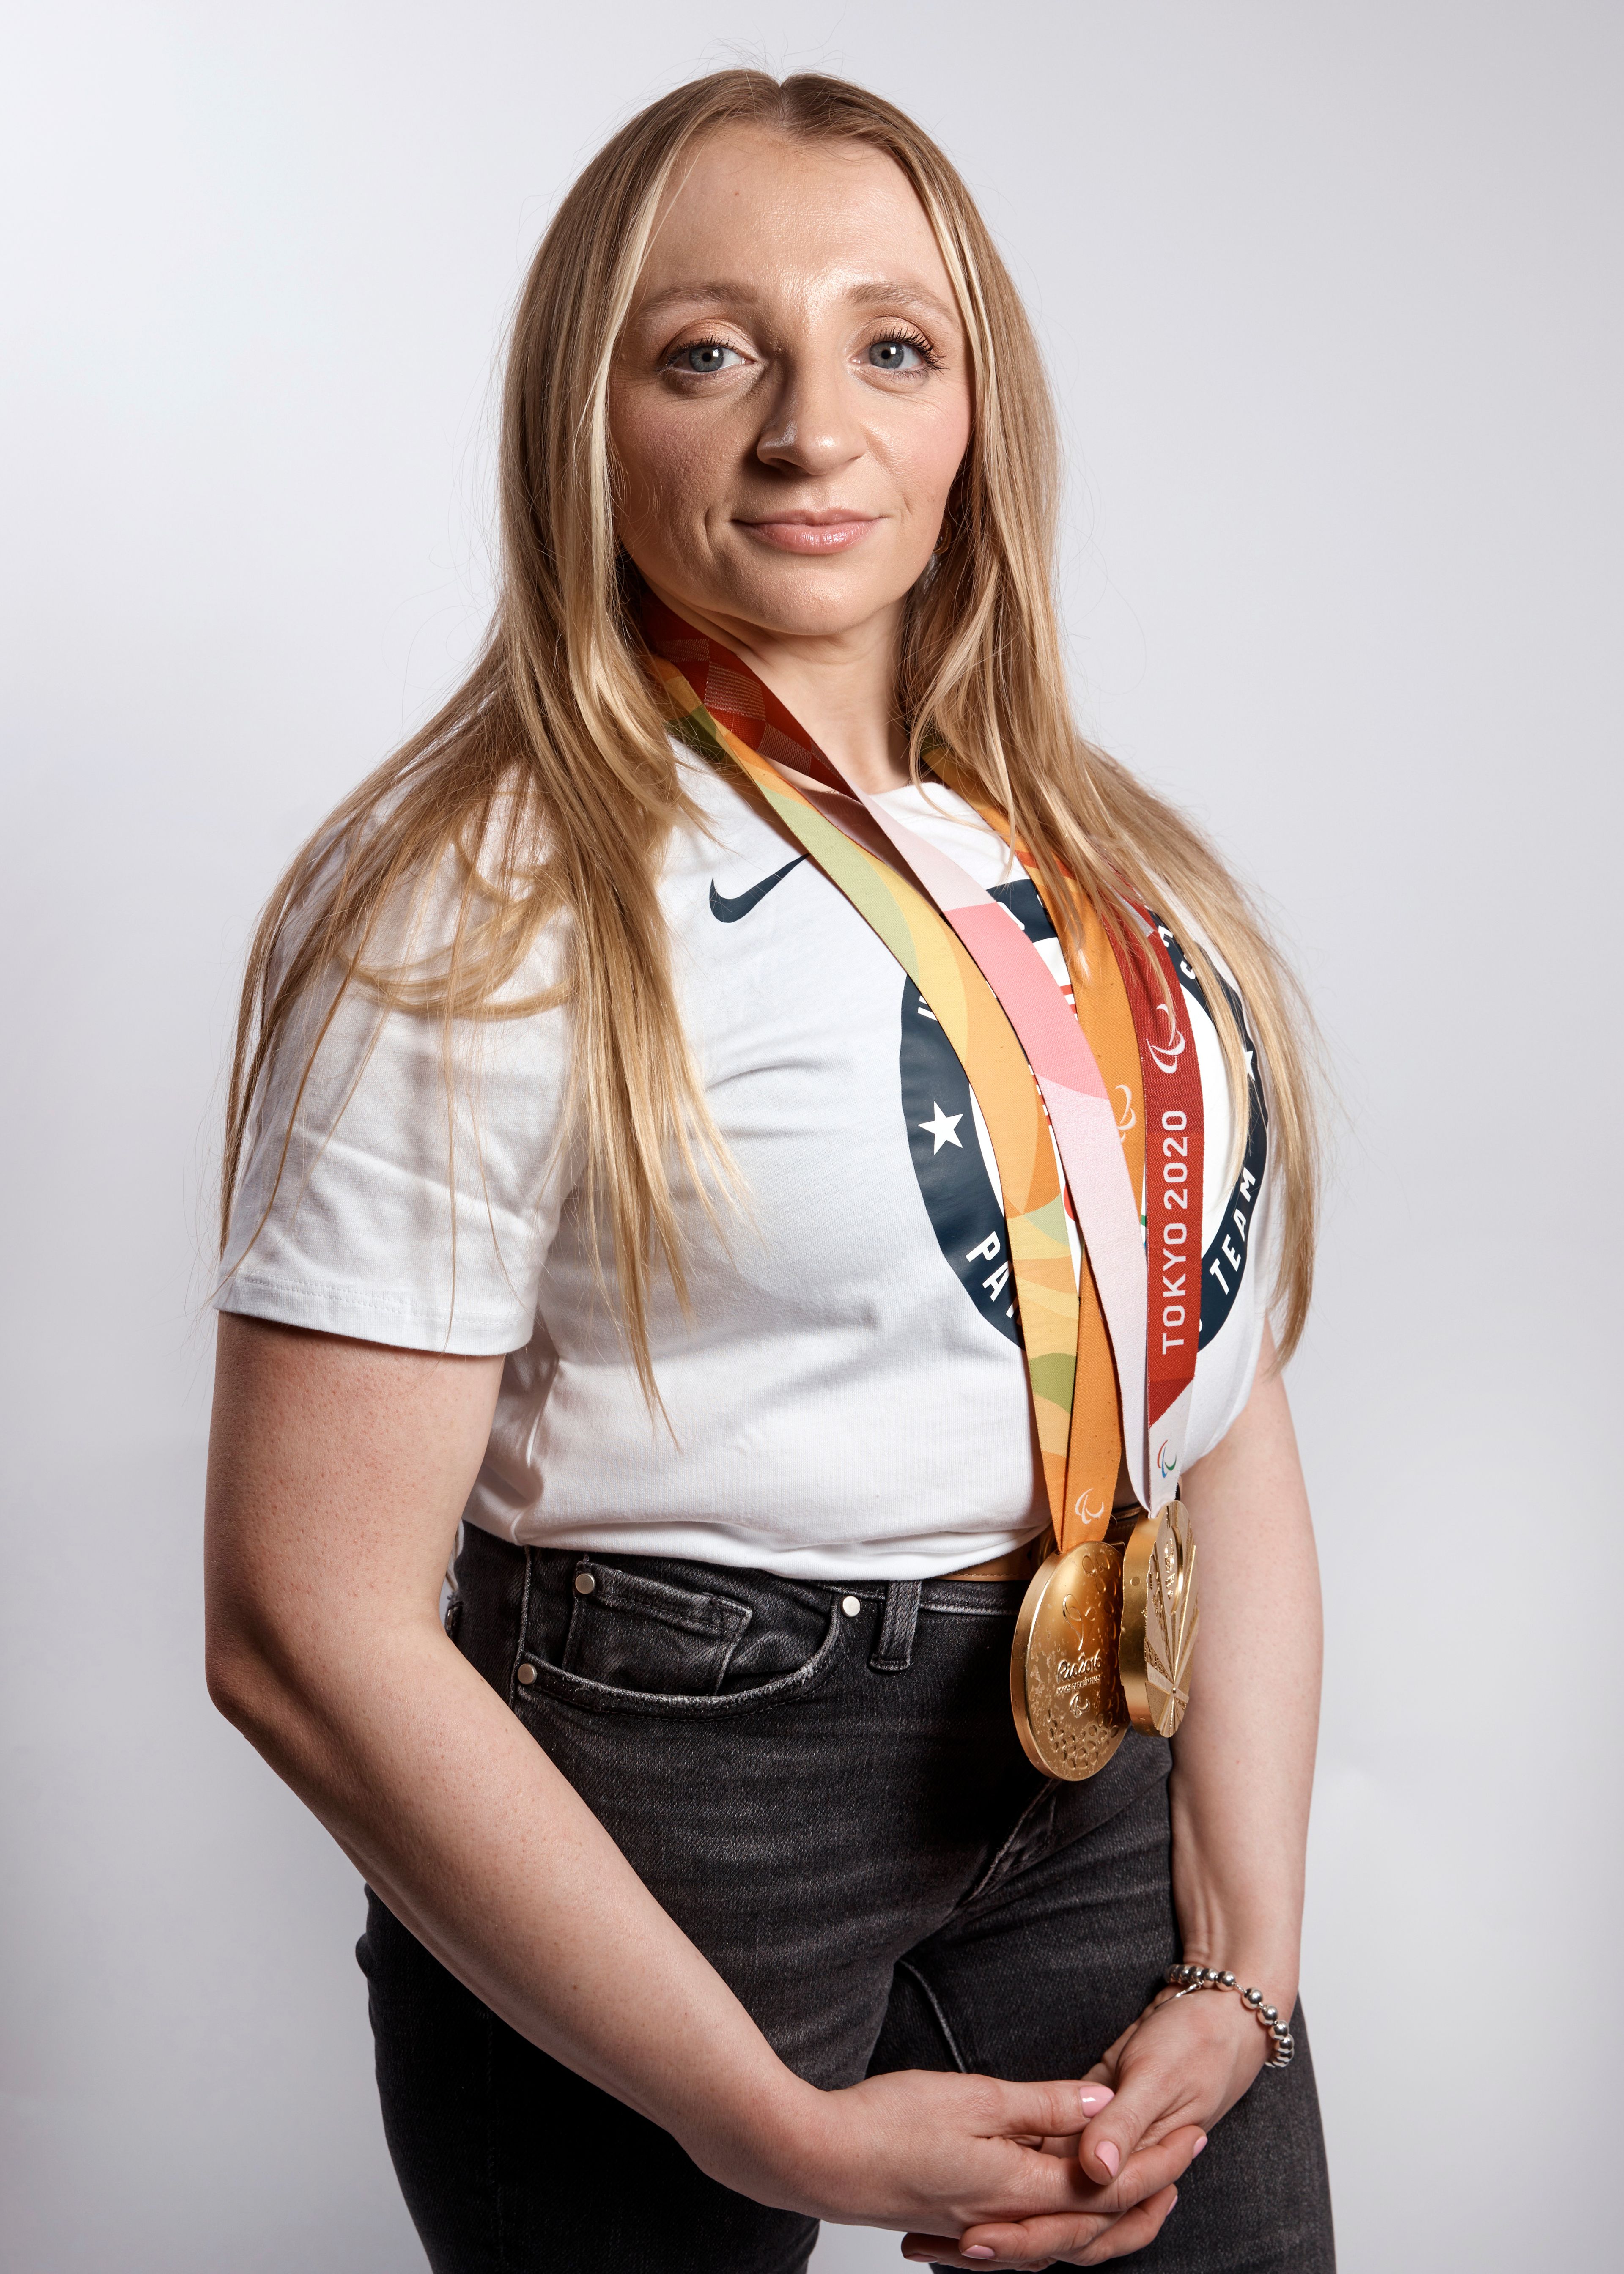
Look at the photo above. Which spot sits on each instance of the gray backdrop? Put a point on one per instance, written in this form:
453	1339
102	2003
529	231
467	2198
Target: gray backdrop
1332	298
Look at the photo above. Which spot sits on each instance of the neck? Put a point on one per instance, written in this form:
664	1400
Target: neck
841	686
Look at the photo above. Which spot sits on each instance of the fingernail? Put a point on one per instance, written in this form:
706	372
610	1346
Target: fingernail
978	2250
1199	2144
1094	2096
1108	2154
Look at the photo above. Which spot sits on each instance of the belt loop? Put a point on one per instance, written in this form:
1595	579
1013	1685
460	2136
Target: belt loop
893	1653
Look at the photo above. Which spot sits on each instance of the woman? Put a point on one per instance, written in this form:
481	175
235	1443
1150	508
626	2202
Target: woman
605	1204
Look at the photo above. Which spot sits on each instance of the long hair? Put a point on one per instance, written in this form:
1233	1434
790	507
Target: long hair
547	787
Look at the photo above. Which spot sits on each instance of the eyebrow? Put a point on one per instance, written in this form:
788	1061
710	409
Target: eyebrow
888	289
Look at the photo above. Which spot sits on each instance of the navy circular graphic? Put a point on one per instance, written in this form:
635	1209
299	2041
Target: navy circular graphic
953	1159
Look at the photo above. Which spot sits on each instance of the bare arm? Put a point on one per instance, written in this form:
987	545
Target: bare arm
1243	1770
338	1472
337	1475
1244	1760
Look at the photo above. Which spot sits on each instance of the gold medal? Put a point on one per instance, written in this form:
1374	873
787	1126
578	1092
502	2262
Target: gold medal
1064	1687
1159	1615
1104	1642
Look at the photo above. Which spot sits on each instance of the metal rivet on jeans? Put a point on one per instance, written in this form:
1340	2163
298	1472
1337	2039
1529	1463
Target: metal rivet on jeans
527	1674
850	1605
585	1584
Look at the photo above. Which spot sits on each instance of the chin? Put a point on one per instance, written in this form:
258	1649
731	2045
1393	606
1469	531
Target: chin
815	600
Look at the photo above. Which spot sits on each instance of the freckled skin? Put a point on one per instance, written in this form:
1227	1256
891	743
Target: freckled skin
833	381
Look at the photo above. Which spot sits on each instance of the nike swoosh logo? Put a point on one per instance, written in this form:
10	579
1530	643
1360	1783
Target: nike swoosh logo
729	911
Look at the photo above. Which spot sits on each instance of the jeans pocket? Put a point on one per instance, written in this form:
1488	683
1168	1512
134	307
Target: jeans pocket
628	1631
632	1643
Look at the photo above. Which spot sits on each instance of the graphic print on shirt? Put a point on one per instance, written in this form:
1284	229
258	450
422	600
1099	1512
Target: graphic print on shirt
953	1159
952	1152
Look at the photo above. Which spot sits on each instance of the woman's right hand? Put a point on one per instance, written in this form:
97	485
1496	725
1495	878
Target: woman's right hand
932	2152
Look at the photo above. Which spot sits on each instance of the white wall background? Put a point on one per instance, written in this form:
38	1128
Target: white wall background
1332	299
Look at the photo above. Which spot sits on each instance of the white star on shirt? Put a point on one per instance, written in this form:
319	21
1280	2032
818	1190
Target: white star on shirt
942	1127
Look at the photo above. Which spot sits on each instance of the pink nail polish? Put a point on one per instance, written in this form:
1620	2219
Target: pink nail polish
1110	2156
1095	2097
977	2250
1199	2144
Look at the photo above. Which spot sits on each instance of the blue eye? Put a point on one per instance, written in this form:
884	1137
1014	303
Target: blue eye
702	356
898	355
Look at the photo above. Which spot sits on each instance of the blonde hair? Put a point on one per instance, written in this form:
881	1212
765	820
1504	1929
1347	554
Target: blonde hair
549	783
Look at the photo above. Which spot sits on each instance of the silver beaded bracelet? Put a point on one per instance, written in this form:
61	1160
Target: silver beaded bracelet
1185	1981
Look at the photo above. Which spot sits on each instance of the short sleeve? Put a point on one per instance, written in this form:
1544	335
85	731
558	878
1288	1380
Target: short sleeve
382	1202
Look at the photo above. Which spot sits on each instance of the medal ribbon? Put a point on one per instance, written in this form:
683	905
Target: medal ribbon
1150	1063
1175	1155
981	977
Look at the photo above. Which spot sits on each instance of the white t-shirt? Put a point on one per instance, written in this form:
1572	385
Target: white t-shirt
847	1399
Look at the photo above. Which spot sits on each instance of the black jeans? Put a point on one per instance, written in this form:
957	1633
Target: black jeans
833	1804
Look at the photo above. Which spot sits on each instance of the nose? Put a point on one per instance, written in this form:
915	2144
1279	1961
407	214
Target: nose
813	427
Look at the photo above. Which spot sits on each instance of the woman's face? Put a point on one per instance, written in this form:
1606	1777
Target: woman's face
789	401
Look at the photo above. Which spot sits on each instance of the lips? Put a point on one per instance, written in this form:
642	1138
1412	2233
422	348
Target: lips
834	529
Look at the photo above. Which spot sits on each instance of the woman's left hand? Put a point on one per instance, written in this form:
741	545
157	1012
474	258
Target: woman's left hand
1178	2069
